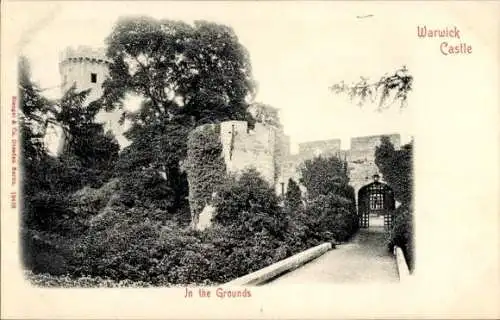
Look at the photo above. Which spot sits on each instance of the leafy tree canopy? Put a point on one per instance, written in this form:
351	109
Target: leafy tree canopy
199	73
186	75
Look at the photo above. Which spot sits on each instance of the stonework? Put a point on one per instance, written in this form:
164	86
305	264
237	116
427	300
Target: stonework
265	148
244	148
362	148
316	148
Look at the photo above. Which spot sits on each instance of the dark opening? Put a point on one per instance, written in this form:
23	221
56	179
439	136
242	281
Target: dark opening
93	77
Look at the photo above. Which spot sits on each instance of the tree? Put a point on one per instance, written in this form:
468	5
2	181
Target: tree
322	175
331	207
186	75
397	168
86	141
265	114
397	86
36	113
293	197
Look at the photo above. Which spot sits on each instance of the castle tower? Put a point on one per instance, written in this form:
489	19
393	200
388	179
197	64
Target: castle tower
86	68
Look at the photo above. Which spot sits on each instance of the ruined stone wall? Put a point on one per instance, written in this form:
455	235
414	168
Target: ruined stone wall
244	148
290	168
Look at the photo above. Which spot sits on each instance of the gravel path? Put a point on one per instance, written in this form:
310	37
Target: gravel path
364	259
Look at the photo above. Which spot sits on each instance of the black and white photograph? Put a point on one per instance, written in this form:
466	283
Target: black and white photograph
220	148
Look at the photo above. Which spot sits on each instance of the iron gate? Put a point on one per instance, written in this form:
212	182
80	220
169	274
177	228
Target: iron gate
375	199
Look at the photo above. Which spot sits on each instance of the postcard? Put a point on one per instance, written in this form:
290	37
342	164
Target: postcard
250	160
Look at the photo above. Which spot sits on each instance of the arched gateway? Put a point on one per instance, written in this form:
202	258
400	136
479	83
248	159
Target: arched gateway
375	199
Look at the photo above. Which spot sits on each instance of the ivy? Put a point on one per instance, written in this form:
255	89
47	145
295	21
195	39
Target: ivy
205	166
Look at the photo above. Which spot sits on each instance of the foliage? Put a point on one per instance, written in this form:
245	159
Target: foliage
322	175
249	204
402	233
33	106
186	75
50	223
205	166
293	197
331	218
265	114
48	280
398	85
200	70
86	140
331	206
397	168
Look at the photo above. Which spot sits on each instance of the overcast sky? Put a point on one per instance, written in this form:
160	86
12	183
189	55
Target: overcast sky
297	51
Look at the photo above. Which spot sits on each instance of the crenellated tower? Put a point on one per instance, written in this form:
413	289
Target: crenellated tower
86	68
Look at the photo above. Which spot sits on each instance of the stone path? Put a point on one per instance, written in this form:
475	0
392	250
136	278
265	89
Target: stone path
365	259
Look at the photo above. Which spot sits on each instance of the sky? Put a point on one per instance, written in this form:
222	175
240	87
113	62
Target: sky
297	50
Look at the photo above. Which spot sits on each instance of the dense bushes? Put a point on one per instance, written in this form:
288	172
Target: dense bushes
124	245
397	169
402	233
332	217
49	280
330	203
131	245
293	196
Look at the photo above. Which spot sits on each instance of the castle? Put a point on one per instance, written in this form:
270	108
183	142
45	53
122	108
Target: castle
264	147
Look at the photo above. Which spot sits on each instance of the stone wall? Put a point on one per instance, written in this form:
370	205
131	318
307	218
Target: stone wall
323	147
363	148
244	148
360	158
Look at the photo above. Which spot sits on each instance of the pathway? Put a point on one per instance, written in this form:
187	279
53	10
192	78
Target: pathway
364	259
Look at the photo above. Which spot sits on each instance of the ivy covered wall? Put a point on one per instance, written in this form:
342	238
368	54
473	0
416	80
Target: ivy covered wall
205	167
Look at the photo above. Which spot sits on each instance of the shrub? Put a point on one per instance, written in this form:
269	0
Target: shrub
249	203
331	217
397	168
331	206
293	198
89	201
49	280
401	233
146	188
322	176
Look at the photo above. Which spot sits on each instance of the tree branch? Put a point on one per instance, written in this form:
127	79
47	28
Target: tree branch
400	84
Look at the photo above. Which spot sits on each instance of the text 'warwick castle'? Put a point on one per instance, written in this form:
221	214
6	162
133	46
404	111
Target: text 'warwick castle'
265	148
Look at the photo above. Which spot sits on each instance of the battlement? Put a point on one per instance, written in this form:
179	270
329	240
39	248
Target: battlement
83	53
363	148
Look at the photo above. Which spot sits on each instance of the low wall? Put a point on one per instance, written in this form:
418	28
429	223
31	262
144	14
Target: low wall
404	272
263	275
